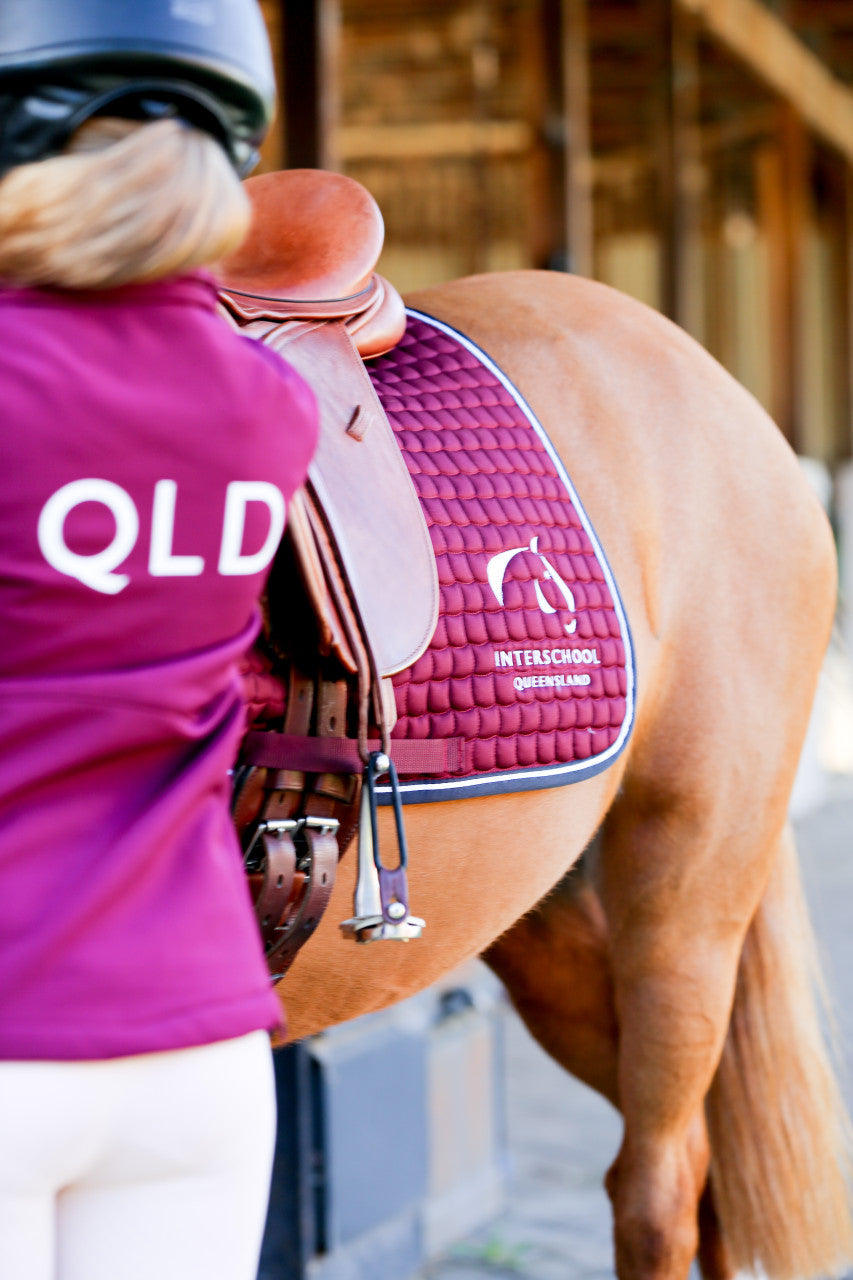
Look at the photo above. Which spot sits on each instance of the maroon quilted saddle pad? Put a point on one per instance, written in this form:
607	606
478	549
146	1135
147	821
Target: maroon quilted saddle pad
530	674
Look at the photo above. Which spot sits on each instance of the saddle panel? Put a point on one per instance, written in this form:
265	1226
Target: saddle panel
249	306
377	330
375	318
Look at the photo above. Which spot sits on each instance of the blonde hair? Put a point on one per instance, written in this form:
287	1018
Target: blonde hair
126	202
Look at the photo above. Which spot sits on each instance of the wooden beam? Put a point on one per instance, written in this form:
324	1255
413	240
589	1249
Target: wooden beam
750	126
772	52
835	12
442	139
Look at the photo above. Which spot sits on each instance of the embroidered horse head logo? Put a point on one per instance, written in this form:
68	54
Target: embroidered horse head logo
496	572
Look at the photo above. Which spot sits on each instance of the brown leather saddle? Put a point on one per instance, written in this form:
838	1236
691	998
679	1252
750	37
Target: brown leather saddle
353	593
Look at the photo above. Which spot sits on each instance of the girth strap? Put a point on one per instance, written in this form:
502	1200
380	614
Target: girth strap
322	858
319	755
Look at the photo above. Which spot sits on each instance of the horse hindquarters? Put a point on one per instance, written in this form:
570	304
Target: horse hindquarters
727	577
778	1130
730	615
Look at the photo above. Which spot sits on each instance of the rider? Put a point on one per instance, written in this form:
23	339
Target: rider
148	454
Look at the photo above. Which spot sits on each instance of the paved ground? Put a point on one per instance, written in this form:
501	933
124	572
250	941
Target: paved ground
563	1137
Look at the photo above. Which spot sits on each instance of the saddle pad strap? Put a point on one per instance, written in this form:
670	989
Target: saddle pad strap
324	755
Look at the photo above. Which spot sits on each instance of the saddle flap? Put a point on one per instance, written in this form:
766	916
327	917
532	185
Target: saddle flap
367	498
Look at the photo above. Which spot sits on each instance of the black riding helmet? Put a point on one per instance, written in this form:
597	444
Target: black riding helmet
63	61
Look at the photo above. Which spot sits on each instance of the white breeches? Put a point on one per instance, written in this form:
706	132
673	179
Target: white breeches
147	1168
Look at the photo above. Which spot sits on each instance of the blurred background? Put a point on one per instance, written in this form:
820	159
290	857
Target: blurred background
694	153
697	154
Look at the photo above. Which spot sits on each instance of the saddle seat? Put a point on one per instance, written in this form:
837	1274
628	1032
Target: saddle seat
311	255
356	549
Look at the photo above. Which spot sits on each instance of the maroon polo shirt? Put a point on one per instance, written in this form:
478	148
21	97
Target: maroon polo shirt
148	456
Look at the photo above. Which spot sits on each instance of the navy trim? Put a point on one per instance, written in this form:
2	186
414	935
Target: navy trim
538	777
495	784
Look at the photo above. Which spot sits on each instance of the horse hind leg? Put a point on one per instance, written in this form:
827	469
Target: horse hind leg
711	968
679	886
556	966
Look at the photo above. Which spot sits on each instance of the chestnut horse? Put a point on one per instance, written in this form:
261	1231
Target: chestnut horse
673	971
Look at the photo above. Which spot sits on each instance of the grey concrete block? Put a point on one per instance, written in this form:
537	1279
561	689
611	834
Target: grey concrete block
374	1131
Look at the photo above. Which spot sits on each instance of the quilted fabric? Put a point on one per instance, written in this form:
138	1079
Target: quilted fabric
531	662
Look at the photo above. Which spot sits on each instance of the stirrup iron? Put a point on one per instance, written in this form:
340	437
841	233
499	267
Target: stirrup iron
381	893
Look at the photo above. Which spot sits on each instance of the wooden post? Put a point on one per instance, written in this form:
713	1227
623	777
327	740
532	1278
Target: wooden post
272	152
681	177
782	175
845	315
578	164
796	160
834	214
310	91
546	226
565	103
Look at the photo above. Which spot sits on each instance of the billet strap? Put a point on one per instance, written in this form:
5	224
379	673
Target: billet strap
289	829
322	849
265	749
276	871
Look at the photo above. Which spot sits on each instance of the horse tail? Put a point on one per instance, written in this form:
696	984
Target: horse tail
778	1128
